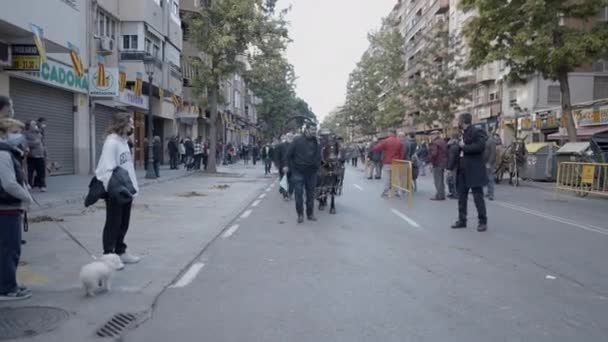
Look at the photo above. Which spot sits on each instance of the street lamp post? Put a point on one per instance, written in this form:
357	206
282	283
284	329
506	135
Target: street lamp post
149	65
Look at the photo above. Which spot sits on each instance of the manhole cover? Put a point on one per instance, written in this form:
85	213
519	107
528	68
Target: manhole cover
29	321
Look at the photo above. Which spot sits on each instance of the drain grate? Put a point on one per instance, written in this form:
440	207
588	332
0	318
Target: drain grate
29	321
116	325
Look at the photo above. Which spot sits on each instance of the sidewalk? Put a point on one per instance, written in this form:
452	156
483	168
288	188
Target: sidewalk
171	224
72	189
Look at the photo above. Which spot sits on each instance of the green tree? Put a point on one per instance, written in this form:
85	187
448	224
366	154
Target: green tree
552	38
436	91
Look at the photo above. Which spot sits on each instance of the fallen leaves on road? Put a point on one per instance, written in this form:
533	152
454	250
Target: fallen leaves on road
191	194
44	218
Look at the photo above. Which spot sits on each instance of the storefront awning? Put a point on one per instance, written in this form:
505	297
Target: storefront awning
581	133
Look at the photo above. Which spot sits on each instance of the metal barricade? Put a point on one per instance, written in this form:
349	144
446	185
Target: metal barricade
402	178
582	178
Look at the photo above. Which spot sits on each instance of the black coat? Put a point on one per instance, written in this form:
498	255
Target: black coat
304	154
280	155
453	156
471	167
120	188
270	153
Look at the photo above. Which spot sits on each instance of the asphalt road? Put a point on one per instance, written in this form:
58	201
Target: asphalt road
379	271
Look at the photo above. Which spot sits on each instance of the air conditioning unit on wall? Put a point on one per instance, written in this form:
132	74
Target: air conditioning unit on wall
106	45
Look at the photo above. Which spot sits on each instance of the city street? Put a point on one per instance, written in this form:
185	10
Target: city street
380	271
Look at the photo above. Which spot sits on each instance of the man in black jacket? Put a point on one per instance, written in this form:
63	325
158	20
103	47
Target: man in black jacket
304	160
471	173
453	157
281	161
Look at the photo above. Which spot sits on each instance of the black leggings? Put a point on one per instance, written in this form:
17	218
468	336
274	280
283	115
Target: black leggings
116	227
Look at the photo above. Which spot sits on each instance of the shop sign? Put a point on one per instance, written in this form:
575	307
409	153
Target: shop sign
110	89
591	117
57	75
129	98
25	58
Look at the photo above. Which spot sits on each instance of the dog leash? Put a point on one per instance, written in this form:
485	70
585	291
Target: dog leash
66	231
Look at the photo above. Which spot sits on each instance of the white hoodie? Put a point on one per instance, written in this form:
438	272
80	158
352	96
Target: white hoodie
115	153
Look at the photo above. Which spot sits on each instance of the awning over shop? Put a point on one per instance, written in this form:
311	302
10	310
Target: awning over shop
581	133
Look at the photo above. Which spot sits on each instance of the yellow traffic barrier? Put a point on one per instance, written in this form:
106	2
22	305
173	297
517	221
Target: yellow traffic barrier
402	178
582	178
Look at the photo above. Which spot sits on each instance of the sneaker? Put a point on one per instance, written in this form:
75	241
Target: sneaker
312	218
20	294
459	225
129	259
43	189
300	218
482	227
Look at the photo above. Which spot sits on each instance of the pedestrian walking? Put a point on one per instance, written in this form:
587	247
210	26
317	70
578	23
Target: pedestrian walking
354	155
181	147
255	153
439	161
36	156
453	156
423	155
14	201
410	147
116	171
157	148
471	173
267	156
489	157
375	161
304	160
198	153
283	165
173	149
206	154
189	146
391	149
246	153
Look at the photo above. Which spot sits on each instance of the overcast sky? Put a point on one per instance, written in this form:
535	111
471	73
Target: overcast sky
329	37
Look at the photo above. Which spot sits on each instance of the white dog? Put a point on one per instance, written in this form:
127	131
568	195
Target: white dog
97	276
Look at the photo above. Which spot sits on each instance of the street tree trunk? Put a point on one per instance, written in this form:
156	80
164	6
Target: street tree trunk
213	94
564	86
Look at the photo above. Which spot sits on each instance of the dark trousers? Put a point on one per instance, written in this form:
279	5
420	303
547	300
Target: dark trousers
305	181
10	251
354	161
255	159
451	181
438	178
205	161
117	224
156	168
173	161
197	161
463	197
267	166
37	166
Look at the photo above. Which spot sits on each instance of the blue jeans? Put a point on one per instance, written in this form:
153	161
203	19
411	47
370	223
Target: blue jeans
306	180
10	251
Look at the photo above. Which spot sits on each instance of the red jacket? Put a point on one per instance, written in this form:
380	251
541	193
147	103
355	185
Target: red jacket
392	148
439	153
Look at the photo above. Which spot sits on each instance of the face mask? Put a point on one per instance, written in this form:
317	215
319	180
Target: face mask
16	139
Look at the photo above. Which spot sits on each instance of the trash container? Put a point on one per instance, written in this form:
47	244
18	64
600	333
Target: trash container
572	152
541	163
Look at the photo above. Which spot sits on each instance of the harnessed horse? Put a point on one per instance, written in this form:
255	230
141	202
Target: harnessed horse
511	159
331	174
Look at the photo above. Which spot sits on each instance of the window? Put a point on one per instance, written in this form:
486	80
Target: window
603	14
155	51
106	25
554	94
512	97
600	87
237	100
129	42
148	46
175	8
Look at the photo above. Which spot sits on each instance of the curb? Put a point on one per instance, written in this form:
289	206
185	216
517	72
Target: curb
75	199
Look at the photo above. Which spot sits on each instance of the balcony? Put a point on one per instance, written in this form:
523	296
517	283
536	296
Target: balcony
486	73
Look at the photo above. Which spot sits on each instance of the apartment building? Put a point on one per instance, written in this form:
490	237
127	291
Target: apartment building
237	115
416	19
48	89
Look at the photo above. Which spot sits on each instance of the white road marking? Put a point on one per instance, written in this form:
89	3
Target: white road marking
246	214
189	276
405	218
550	277
230	231
255	203
358	187
590	228
268	190
262	196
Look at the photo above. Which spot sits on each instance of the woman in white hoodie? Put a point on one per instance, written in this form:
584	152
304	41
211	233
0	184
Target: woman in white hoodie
116	153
